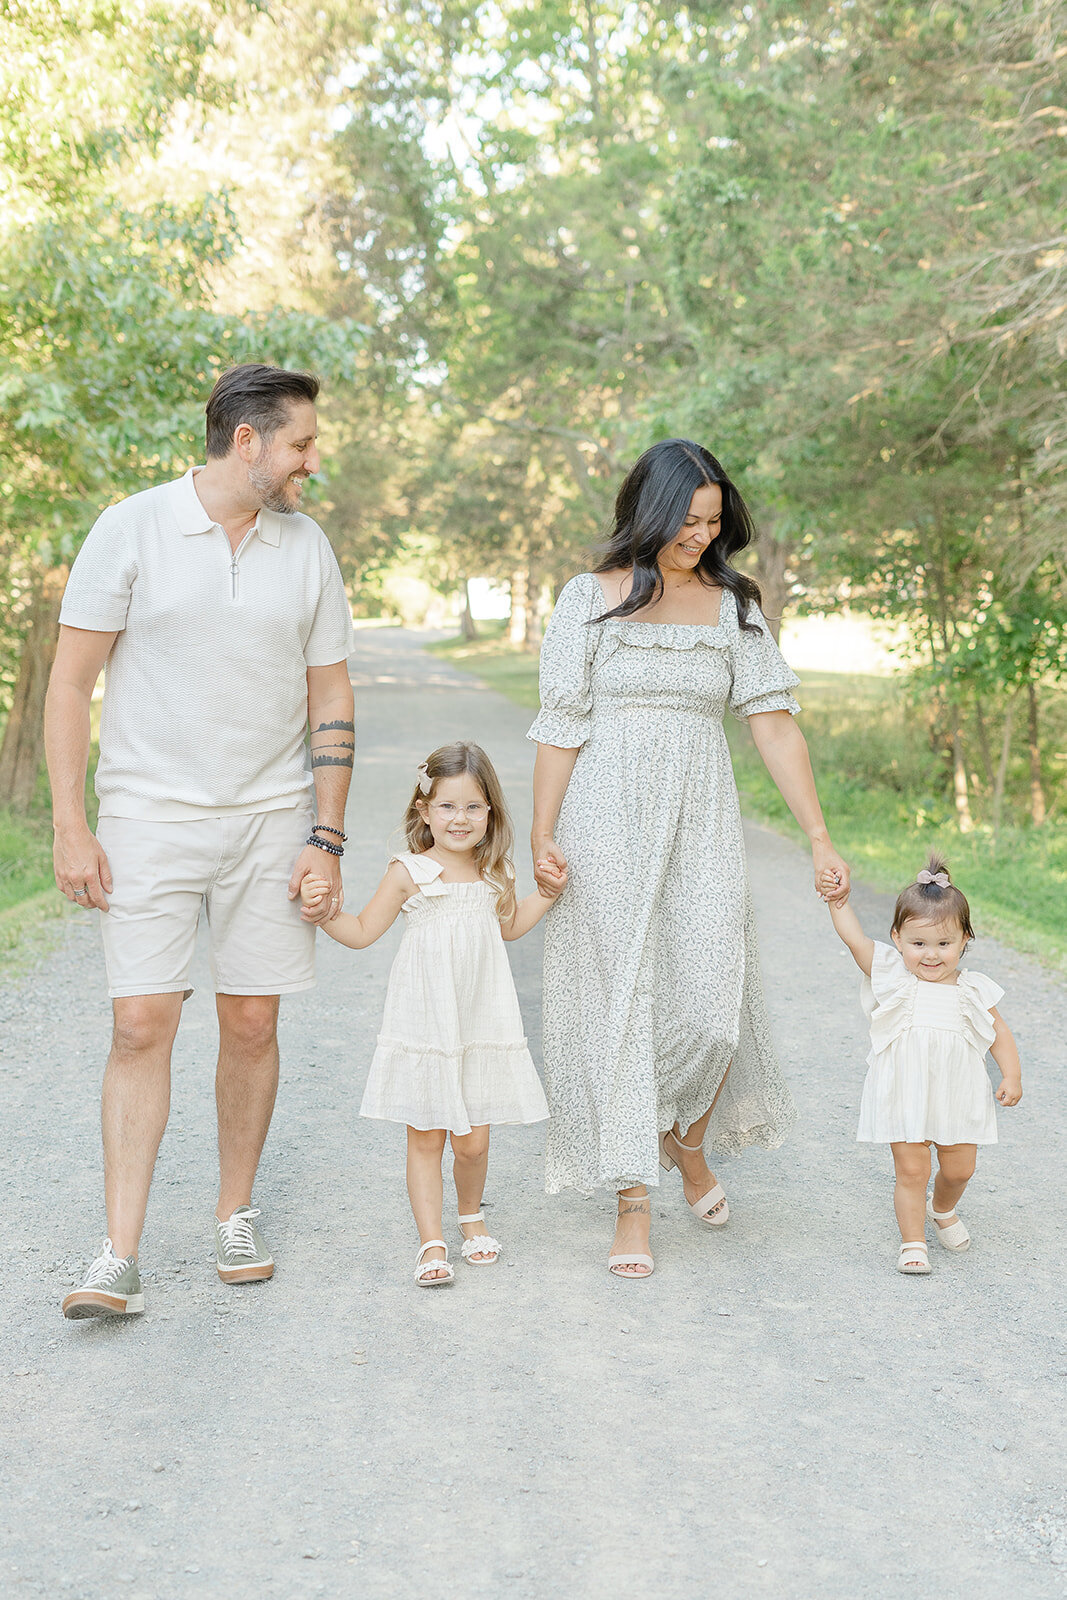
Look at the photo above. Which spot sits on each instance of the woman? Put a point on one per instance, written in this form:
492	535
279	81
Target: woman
655	1035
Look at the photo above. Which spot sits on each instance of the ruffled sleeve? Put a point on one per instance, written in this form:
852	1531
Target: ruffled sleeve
761	678
978	995
566	662
888	995
424	870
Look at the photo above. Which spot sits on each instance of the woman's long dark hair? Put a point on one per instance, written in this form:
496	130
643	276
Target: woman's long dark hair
650	512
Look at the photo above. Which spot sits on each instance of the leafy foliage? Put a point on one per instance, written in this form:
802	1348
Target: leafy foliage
826	239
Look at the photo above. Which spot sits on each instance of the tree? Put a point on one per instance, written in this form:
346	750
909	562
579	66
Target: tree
109	345
111	330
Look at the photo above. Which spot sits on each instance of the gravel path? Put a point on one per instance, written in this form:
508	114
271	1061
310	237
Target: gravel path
775	1413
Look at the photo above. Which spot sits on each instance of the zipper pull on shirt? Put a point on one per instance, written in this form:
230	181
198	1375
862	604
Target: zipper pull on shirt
235	556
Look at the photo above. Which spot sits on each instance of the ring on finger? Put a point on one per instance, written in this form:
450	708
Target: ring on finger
82	890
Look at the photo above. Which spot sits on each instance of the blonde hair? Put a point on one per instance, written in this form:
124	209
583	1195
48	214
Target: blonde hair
932	901
493	854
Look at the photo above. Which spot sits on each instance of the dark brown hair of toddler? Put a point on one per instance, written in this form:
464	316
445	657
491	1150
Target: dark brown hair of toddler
934	898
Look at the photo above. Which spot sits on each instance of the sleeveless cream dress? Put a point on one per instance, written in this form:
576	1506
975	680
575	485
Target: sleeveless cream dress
926	1076
451	1052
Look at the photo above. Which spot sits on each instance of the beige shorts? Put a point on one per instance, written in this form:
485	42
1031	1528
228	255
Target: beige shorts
235	868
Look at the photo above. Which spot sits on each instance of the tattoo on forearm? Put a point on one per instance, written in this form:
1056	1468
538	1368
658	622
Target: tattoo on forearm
320	752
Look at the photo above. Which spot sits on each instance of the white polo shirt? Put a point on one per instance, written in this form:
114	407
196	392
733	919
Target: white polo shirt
205	692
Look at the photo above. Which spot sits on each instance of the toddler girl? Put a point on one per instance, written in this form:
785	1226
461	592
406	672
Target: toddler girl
451	1056
931	1025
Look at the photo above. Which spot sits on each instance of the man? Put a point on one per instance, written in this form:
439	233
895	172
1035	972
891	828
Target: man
221	615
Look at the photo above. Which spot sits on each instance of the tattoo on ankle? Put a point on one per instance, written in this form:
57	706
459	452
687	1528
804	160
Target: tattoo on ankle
627	1206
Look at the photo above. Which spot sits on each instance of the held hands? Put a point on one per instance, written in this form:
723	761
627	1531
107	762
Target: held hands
322	870
314	893
828	885
551	878
550	868
312	890
832	876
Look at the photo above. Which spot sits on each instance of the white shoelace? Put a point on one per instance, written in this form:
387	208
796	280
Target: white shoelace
237	1234
105	1269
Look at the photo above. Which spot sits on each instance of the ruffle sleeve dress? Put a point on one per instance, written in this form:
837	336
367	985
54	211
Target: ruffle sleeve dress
451	1052
926	1076
651	974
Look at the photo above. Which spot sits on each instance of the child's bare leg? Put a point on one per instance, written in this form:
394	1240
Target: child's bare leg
425	1187
912	1165
470	1164
955	1169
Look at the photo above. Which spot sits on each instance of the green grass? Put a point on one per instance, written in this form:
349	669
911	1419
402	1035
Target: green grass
512	672
883	793
25	857
30	903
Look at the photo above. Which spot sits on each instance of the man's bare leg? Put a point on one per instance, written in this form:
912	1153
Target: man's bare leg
134	1107
246	1084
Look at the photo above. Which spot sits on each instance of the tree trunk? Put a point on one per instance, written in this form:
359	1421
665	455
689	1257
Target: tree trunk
1037	789
1002	769
984	745
467	626
964	819
20	754
535	604
592	71
771	559
519	620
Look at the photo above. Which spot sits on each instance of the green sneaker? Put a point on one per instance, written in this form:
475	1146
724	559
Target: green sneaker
240	1253
112	1288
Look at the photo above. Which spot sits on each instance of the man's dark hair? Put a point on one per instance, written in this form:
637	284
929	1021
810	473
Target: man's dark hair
256	394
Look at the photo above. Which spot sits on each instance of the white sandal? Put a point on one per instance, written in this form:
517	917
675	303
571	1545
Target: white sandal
480	1244
914	1258
954	1237
422	1268
707	1203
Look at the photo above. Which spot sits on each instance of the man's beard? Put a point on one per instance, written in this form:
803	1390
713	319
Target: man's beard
275	493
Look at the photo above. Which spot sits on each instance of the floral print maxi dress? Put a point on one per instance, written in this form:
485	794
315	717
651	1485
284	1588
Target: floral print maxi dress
651	977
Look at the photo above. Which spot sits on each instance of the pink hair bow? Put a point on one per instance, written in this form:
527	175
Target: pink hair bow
425	781
942	879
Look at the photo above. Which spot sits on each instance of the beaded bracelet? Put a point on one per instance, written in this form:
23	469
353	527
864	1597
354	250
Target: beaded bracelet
324	844
324	827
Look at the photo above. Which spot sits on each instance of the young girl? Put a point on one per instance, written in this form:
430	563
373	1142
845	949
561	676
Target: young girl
451	1056
931	1025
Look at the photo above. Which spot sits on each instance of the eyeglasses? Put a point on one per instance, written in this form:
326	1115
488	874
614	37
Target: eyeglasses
446	811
